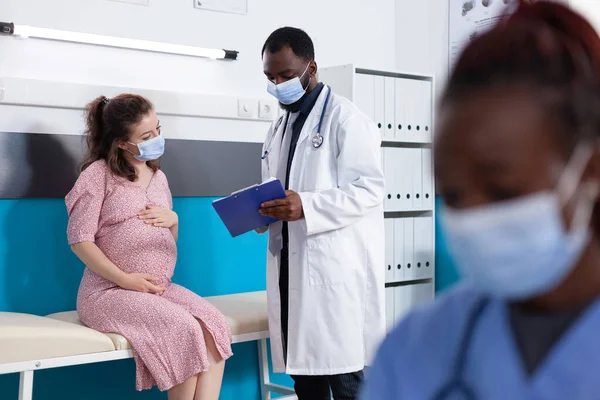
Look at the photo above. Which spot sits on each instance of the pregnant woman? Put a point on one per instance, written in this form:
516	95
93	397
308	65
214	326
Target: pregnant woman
122	227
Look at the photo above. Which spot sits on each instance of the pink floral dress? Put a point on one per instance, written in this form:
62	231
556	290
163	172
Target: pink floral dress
164	330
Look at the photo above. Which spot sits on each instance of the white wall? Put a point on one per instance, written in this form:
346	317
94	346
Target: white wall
344	31
590	9
422	38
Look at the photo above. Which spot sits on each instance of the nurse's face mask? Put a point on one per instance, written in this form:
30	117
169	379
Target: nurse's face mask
289	92
520	249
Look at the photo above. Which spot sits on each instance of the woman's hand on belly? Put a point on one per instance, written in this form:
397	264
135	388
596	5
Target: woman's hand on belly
140	283
159	217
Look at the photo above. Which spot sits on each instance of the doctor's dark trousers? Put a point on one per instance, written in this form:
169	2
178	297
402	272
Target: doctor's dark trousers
345	386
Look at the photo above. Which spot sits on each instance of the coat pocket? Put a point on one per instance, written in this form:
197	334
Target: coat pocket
328	263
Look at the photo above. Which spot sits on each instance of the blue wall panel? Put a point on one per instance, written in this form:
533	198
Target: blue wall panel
446	274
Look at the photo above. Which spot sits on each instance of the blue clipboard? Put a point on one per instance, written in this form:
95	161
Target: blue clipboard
239	212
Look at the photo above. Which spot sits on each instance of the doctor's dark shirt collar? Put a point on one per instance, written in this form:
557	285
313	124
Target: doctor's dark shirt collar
307	103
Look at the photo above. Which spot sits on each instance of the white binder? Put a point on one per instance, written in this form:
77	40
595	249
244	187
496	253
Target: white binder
390	250
408	253
412	118
427	173
391	179
429	240
420	294
401	303
399	266
390	316
427	105
379	96
416	178
403	168
421	247
401	104
390	109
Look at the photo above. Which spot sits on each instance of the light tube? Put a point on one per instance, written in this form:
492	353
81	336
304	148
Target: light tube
24	31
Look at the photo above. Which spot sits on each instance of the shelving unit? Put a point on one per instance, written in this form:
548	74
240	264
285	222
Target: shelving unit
402	106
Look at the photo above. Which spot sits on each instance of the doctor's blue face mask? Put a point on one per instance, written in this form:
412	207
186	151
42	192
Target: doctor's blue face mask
520	249
289	92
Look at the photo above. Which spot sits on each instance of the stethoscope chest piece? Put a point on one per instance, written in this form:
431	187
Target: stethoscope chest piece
317	140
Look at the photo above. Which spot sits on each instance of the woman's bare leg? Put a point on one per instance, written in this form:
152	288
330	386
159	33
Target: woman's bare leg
185	390
208	385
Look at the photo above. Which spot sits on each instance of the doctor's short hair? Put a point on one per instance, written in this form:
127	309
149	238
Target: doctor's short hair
550	50
298	40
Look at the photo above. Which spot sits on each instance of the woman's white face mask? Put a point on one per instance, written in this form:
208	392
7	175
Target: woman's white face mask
520	249
151	149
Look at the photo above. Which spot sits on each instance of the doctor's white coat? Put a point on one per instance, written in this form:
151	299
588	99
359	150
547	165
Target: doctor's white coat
336	252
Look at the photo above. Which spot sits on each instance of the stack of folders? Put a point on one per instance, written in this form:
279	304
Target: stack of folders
239	212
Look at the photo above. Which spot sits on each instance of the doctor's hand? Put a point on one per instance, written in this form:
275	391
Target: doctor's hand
159	217
288	209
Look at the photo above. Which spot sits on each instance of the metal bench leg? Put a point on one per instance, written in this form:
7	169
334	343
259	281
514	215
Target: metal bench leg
26	385
266	387
263	365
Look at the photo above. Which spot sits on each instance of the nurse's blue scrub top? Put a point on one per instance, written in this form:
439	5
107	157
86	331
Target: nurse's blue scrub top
416	358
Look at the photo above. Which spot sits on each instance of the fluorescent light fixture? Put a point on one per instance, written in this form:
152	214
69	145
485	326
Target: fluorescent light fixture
24	31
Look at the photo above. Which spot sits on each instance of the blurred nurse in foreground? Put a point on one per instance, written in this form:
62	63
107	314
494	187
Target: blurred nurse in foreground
518	163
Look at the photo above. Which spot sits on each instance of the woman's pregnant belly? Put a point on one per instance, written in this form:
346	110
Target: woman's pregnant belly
134	246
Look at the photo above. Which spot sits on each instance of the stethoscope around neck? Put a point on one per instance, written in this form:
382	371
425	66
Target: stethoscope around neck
456	387
317	140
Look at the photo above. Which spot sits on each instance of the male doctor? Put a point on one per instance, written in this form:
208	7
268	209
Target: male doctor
325	263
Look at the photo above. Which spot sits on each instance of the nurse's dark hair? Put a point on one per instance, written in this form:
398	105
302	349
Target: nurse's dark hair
108	123
298	40
549	49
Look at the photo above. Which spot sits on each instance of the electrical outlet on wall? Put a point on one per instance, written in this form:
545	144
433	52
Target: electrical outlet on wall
247	108
266	110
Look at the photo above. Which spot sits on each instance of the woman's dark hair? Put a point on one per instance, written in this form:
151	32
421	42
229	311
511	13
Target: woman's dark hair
108	123
548	48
